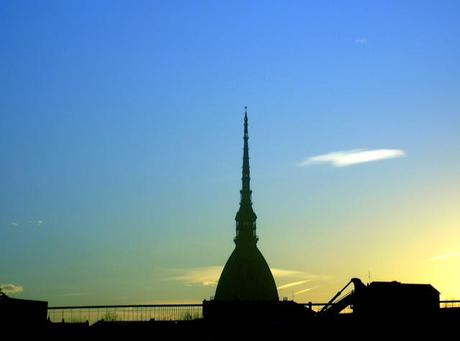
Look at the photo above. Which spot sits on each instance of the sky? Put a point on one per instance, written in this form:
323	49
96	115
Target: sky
121	129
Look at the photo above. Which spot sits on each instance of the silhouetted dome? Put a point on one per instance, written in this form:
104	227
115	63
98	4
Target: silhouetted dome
246	277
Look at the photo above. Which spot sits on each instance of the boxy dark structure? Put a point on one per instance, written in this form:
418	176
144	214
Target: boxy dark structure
15	314
379	301
396	300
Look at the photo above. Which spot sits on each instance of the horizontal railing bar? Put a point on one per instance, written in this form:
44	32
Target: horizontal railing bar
180	305
128	306
441	302
446	301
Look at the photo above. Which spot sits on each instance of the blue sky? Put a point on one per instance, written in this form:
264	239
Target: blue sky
121	144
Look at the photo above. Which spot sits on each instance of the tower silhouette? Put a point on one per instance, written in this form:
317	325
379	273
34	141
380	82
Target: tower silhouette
246	275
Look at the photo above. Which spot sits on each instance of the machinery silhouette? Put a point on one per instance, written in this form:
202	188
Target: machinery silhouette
389	300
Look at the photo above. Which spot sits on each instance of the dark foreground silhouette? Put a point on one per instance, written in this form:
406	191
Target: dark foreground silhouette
246	305
380	310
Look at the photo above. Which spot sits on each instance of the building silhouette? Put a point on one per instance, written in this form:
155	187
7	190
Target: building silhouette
246	275
246	306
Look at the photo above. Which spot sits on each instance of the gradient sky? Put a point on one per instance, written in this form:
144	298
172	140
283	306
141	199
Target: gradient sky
121	145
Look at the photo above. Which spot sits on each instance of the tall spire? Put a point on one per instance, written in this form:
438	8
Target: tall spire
246	276
246	178
245	217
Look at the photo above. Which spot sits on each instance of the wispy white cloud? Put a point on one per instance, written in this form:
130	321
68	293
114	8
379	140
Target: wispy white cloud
353	157
295	274
293	284
298	279
285	273
37	222
11	289
362	40
204	276
28	223
305	290
444	256
209	276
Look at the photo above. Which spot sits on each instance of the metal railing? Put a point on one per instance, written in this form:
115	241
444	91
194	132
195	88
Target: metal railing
158	312
143	312
449	304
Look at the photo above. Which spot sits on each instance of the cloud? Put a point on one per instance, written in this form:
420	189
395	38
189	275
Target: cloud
353	157
11	289
209	276
361	41
38	222
285	273
204	276
293	284
444	256
299	279
305	290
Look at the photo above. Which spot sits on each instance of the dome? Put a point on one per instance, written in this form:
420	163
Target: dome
246	277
